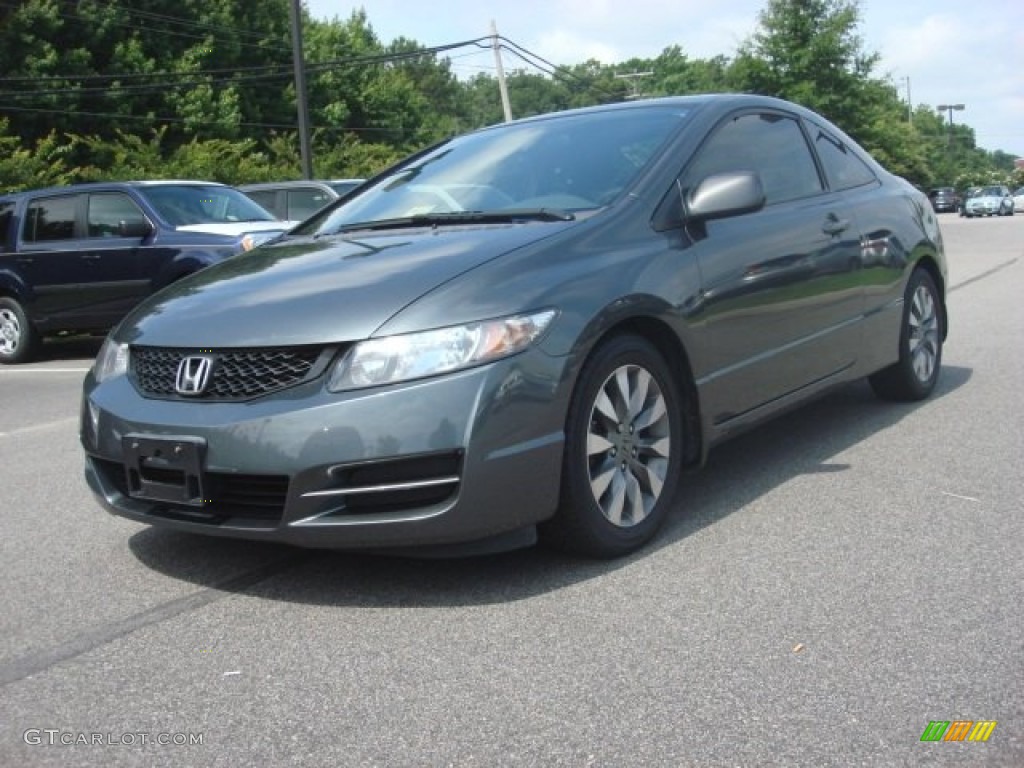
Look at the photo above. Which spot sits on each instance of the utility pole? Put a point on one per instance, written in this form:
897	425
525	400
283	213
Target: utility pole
910	103
634	86
301	96
502	86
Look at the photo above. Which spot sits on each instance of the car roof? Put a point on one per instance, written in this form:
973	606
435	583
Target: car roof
71	189
296	183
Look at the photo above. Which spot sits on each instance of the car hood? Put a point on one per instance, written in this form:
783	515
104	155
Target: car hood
305	291
987	199
238	228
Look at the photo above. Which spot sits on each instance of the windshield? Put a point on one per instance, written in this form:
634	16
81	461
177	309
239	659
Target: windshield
991	192
568	163
187	204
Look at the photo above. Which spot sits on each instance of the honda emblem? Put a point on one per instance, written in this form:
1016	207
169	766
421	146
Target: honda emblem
193	375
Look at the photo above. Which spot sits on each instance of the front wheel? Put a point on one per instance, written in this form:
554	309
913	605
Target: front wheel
914	375
18	339
623	453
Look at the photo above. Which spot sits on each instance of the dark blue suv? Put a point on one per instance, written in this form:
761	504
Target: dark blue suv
78	258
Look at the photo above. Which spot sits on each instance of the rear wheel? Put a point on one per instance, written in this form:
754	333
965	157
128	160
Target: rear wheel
623	453
18	339
914	375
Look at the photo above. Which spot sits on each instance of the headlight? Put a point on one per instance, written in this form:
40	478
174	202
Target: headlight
252	239
111	361
416	355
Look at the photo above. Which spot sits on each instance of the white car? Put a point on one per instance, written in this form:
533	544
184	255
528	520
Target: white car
993	200
1018	200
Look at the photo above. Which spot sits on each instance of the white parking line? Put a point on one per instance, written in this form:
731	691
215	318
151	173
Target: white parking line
40	427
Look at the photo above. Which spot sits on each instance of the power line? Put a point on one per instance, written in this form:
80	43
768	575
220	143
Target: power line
190	79
139	26
162	119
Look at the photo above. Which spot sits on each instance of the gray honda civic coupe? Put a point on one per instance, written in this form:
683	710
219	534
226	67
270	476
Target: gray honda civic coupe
530	330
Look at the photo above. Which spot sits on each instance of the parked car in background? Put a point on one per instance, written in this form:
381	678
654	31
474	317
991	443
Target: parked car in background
967	195
1018	200
298	200
993	200
538	325
944	199
77	258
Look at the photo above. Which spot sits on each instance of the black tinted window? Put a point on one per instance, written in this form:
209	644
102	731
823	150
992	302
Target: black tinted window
842	167
6	214
771	145
51	218
107	211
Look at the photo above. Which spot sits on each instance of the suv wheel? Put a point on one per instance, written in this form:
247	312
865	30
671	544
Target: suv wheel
18	339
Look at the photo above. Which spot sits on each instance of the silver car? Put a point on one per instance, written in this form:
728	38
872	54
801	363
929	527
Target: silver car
993	200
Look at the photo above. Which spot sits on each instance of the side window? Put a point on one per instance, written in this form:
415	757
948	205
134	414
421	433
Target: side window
108	210
50	218
842	166
304	202
266	198
768	143
6	214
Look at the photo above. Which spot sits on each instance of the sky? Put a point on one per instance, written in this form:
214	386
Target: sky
947	51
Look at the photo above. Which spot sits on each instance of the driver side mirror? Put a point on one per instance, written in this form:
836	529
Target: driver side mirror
725	194
134	228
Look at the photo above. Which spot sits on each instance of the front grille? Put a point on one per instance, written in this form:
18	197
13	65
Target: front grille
236	374
252	497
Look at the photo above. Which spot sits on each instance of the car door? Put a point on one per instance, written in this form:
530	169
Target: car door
117	231
781	296
61	281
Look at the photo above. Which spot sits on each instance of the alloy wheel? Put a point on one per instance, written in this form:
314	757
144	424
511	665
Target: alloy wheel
923	335
10	331
628	445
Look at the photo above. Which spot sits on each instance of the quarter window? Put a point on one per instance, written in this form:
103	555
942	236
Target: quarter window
107	211
842	166
770	144
6	214
51	218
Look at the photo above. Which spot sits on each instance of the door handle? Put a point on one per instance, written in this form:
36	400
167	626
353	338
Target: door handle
91	257
834	225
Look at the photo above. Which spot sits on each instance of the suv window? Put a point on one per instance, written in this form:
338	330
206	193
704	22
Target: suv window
265	197
770	144
50	218
305	201
108	210
6	214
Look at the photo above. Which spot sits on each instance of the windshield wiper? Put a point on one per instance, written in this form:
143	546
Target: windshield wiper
510	215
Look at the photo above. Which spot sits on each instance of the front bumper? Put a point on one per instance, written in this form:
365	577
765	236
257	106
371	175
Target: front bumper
454	459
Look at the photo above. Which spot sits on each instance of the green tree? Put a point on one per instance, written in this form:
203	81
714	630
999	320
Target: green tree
808	51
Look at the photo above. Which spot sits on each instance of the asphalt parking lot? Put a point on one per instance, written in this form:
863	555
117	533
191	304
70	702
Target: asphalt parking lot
828	586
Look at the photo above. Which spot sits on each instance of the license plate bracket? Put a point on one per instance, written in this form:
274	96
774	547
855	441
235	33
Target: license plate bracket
166	468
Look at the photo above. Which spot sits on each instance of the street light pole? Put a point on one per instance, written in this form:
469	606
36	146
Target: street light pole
950	108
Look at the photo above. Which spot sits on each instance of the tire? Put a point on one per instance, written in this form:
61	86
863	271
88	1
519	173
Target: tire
623	452
18	339
914	375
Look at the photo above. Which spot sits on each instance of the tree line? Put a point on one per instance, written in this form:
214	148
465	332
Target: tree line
99	90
